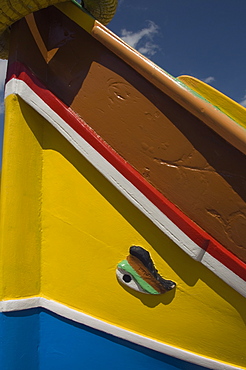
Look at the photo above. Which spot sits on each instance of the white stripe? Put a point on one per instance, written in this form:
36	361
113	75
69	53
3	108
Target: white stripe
82	318
224	273
19	87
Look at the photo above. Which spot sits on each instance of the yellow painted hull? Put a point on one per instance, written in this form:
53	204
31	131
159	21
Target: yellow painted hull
65	227
72	228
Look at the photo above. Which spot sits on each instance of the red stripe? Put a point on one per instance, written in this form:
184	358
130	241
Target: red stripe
184	223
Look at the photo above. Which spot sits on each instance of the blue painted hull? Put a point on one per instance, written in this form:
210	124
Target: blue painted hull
38	339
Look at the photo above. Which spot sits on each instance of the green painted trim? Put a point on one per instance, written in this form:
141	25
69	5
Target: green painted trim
124	265
195	93
77	4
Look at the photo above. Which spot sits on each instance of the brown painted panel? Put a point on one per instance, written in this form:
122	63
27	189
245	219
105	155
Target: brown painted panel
176	152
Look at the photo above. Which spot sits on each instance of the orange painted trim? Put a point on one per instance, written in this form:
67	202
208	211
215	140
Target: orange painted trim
47	54
184	223
212	117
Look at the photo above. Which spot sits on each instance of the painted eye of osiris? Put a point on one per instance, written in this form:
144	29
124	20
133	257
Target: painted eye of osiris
138	272
127	278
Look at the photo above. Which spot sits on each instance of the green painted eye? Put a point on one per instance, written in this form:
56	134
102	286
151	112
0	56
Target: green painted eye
128	279
138	272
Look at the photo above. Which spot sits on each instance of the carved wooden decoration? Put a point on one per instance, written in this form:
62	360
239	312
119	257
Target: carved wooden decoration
139	273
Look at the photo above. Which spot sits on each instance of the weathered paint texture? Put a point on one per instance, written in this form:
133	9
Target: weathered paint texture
72	226
184	159
12	11
84	221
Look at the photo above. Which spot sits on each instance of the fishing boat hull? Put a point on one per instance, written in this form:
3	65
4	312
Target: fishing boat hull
104	151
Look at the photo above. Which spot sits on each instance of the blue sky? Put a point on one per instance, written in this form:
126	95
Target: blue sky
201	38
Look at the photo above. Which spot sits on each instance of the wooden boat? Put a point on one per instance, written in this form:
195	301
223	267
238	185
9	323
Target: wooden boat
107	156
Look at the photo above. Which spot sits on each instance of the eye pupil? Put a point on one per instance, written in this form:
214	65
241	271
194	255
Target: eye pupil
127	278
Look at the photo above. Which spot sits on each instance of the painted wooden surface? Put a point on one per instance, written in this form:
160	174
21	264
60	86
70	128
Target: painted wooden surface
12	11
86	226
78	203
19	340
222	102
155	134
65	344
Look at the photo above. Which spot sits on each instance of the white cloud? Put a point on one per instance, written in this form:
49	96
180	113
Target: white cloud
149	49
142	40
243	101
3	69
208	80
